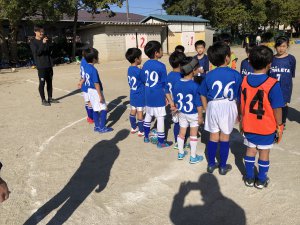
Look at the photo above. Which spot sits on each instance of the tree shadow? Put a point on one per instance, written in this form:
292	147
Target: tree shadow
94	172
217	209
238	149
117	113
77	91
293	115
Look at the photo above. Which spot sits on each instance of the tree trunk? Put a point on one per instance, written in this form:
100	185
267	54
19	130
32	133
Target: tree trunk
14	44
4	56
74	32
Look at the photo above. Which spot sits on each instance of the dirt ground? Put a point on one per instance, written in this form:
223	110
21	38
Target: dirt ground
60	171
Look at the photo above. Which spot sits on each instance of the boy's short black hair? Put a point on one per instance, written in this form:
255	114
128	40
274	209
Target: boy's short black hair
176	58
225	37
188	64
217	53
132	54
200	42
249	47
38	28
179	48
151	48
91	54
260	57
280	40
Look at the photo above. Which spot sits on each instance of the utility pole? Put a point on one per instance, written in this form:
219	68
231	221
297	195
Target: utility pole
127	9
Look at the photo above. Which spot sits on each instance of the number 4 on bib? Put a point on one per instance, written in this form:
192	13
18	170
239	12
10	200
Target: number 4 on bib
256	100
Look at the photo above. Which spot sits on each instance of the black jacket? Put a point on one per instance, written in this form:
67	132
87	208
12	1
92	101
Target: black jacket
41	54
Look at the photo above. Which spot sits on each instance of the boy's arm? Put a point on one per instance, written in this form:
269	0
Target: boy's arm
279	129
293	66
80	83
200	115
170	100
204	101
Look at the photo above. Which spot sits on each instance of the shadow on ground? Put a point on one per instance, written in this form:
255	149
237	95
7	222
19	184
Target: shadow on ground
93	174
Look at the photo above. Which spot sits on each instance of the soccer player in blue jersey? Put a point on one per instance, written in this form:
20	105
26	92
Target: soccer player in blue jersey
155	79
261	102
220	89
246	68
283	68
203	61
84	89
137	90
95	92
173	77
187	99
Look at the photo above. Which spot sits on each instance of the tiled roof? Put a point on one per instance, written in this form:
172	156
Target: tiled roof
176	18
85	16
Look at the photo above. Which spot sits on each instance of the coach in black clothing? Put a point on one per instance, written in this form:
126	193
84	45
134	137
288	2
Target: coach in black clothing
41	55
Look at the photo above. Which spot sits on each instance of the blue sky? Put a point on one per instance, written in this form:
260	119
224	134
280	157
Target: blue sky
143	7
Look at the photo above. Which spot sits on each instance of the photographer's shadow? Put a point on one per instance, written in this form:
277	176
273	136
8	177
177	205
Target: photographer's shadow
217	209
93	174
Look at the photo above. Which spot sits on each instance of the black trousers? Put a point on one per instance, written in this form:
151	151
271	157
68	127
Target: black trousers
285	111
45	77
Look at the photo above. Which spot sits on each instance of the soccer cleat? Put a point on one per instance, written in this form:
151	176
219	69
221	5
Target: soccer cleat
133	131
195	160
261	185
105	130
97	129
210	169
163	145
141	134
249	182
225	170
146	140
45	103
89	120
52	100
182	155
176	146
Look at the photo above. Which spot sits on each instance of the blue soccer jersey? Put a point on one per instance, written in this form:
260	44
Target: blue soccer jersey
92	77
203	64
172	79
246	68
221	83
155	78
186	96
283	69
83	66
276	101
137	87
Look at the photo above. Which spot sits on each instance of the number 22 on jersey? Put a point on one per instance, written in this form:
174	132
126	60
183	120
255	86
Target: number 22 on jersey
132	83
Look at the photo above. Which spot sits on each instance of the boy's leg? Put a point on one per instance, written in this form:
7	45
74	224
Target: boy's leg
176	131
212	147
180	141
161	129
249	160
41	74
147	125
224	149
263	165
132	119
96	116
193	140
284	114
140	121
49	77
90	110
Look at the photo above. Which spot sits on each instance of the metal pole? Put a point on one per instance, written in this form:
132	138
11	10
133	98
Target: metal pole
127	8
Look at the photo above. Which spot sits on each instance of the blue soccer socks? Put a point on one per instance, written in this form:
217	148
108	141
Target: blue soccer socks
161	137
90	112
141	126
132	120
249	166
176	131
224	152
212	151
96	116
103	115
147	128
263	170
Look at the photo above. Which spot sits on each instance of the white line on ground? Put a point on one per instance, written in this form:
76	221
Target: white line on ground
284	150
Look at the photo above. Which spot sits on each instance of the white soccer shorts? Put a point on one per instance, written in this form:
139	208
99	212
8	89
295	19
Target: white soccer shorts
251	145
221	115
156	111
139	109
85	97
188	120
95	100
